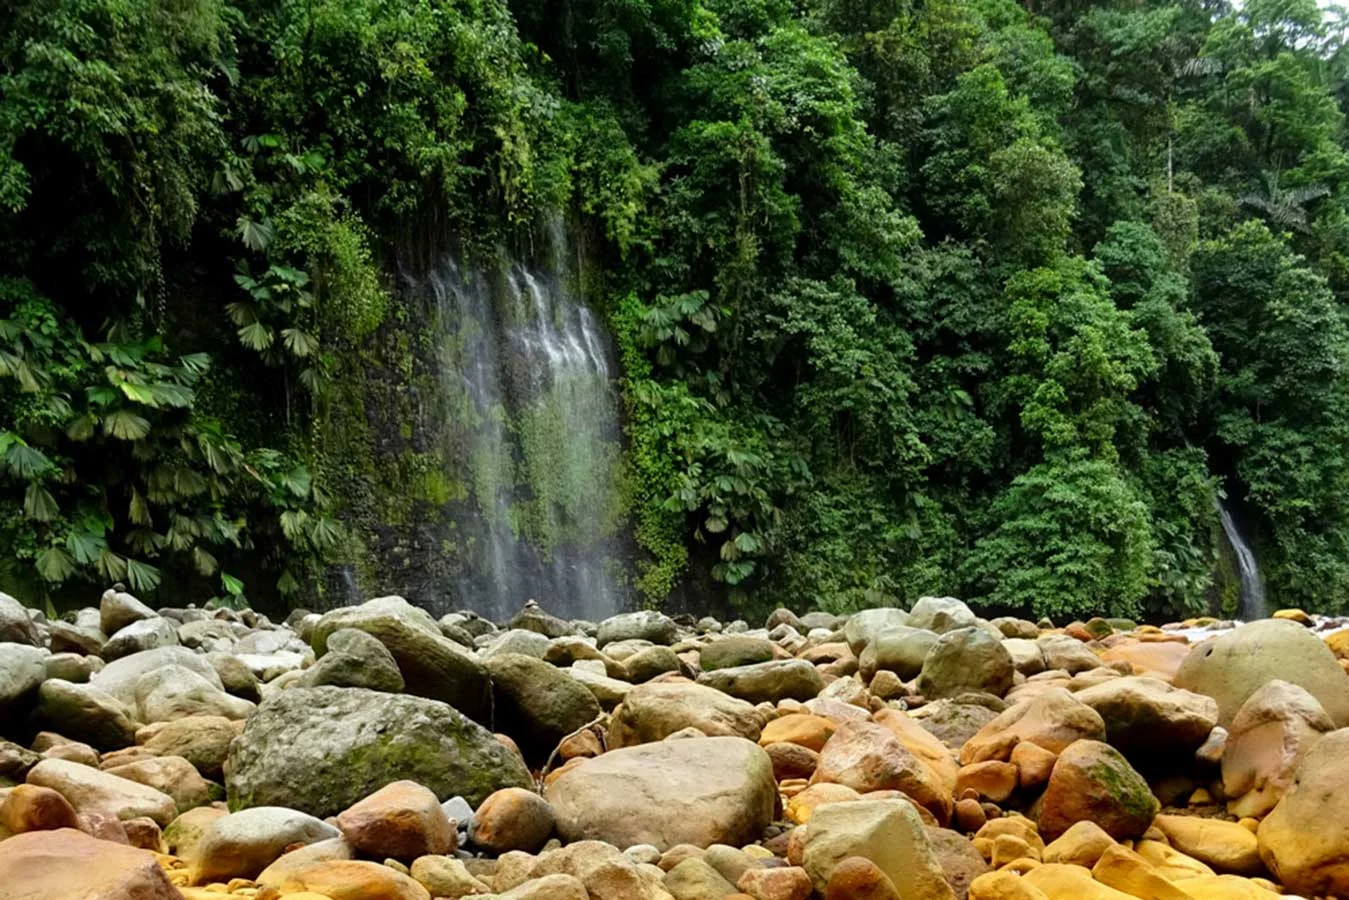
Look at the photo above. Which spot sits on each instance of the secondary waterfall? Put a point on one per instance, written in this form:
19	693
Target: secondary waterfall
532	439
1251	602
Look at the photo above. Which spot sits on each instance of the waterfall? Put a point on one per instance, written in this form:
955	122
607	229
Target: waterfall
1251	603
531	439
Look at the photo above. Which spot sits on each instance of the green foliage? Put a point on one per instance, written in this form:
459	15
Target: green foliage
952	297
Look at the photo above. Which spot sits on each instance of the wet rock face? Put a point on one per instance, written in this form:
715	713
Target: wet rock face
910	754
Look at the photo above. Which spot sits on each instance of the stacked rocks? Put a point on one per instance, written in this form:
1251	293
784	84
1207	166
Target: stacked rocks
923	754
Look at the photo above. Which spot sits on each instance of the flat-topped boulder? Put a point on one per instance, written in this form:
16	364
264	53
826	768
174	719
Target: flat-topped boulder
700	791
319	750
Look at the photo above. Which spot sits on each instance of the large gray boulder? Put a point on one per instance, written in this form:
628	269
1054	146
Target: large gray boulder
646	625
175	692
22	669
538	704
84	713
432	665
899	649
863	627
319	750
1233	666
941	614
355	659
967	659
244	843
146	634
118	609
783	679
702	791
653	711
16	626
1146	717
120	677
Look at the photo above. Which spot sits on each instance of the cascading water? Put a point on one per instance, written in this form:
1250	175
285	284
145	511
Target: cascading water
1251	602
532	440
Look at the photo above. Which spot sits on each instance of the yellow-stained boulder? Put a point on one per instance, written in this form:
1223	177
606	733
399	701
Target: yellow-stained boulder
1126	871
1226	846
1004	885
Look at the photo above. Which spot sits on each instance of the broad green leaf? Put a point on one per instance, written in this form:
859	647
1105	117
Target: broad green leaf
255	235
85	546
26	461
203	561
39	504
140	393
126	425
256	336
55	565
299	343
233	586
144	577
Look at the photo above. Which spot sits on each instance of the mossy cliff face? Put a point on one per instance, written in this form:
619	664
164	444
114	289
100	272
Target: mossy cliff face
473	447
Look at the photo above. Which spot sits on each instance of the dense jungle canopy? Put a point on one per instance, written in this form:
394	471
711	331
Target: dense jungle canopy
910	296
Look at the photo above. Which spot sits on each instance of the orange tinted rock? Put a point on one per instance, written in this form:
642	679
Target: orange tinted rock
512	819
798	728
353	880
791	760
402	820
867	756
802	806
1092	781
787	883
1033	764
1052	720
990	779
858	878
1159	659
28	807
65	864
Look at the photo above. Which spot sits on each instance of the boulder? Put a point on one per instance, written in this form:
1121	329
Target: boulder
649	662
1304	841
432	665
955	720
702	792
1052	720
348	879
899	649
695	879
734	650
767	682
175	692
242	844
1027	657
71	637
22	669
1233	666
120	677
171	775
27	807
145	634
1066	653
964	660
608	692
118	609
941	614
538	704
355	659
863	627
16	626
1145	717
512	819
1273	730
516	640
84	713
92	791
534	618
889	833
203	741
320	750
401	820
653	711
960	861
645	625
1225	846
867	756
66	864
1092	781
16	761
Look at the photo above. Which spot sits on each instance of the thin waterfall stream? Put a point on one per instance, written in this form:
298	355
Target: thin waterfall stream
1251	603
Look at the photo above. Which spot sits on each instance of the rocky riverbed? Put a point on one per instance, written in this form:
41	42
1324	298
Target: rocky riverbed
375	753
